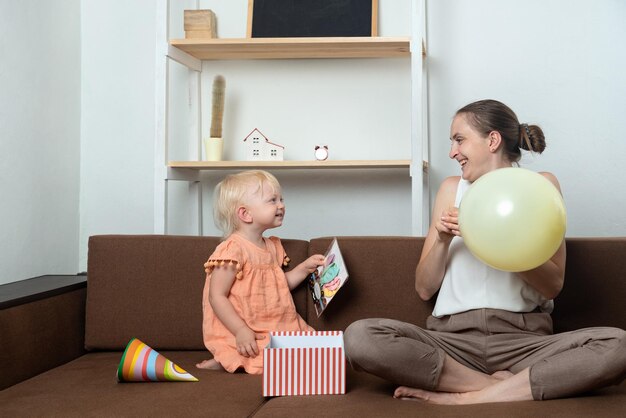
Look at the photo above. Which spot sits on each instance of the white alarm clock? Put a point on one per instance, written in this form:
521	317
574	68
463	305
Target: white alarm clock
321	152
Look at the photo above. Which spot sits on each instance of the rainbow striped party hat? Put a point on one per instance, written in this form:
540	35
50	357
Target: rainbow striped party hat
141	363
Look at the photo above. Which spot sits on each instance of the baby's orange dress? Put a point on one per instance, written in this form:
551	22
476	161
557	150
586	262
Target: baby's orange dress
260	295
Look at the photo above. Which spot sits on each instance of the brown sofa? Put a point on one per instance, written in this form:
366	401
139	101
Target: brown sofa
60	352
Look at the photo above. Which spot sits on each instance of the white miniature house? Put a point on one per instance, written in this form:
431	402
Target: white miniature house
259	148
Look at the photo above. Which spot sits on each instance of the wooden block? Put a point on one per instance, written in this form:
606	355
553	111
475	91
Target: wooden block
200	24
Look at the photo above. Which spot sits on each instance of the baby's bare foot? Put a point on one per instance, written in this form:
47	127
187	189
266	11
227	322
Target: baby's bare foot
209	365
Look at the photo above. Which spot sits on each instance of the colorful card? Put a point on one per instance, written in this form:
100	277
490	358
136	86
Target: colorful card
326	281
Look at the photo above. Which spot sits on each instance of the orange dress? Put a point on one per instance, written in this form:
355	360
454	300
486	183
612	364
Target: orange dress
260	295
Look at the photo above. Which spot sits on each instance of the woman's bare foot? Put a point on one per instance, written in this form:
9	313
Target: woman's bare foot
209	365
446	398
502	375
508	388
440	398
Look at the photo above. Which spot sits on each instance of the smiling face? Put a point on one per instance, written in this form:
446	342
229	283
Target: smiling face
469	148
266	206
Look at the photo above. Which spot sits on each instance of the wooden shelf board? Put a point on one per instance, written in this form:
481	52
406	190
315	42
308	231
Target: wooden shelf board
290	165
284	48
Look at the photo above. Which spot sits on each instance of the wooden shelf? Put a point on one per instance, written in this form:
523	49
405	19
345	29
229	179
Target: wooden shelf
285	48
290	165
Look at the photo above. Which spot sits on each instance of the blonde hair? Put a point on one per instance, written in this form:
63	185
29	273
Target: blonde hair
231	193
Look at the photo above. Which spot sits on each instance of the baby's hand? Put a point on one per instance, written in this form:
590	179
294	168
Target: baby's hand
246	342
313	262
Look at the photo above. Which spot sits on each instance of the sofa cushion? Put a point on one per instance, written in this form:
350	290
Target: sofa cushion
87	386
595	285
381	282
593	291
369	396
150	287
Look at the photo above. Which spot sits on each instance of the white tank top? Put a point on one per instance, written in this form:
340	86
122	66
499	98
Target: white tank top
468	283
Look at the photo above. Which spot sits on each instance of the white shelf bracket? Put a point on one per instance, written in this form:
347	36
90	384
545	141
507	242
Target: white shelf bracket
184	58
420	210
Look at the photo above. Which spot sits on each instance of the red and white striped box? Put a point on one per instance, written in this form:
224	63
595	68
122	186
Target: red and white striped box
304	363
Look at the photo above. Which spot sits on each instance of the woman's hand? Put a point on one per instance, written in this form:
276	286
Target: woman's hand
246	342
448	224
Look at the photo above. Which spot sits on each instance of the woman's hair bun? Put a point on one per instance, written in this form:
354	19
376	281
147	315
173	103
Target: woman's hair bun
531	138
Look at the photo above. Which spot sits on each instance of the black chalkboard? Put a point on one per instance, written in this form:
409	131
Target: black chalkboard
312	18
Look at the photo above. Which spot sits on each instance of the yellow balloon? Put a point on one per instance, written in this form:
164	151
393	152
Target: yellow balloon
512	219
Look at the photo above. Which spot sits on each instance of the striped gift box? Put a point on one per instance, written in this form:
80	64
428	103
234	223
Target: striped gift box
304	363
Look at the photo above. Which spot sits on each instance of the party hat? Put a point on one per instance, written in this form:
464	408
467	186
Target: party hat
141	363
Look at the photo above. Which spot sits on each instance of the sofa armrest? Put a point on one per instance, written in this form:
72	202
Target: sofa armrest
42	325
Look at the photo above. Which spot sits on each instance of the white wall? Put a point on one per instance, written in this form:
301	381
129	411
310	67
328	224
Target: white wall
557	64
117	120
39	138
360	109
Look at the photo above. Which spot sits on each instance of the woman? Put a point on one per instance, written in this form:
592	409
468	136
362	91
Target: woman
489	338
